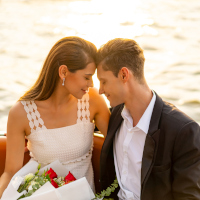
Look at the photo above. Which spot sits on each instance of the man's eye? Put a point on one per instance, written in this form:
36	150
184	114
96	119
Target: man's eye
87	79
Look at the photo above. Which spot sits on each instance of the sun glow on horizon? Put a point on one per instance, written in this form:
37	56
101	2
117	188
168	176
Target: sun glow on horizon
100	21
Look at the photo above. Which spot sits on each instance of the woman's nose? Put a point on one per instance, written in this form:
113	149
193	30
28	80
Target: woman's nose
90	84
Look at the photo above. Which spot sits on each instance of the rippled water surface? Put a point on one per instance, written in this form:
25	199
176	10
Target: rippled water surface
168	31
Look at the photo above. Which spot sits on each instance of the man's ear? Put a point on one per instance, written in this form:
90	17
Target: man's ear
63	71
124	74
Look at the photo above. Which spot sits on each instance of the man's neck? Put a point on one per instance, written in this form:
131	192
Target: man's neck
137	101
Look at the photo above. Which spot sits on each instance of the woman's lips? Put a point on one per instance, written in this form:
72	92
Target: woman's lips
85	91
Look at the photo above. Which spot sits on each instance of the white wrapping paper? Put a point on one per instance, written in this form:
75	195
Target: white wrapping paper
76	190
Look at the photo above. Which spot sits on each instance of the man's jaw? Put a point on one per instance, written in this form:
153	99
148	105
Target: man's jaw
108	98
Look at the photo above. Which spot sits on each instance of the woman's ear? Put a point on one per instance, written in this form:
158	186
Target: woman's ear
124	74
63	71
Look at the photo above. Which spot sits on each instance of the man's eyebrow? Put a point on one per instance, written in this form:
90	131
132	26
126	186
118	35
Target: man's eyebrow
89	74
101	79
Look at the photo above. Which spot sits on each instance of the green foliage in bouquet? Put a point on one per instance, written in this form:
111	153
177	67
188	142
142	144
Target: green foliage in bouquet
107	192
34	181
108	199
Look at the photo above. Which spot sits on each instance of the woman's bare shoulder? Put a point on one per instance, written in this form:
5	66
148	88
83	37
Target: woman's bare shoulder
94	95
17	123
96	99
17	111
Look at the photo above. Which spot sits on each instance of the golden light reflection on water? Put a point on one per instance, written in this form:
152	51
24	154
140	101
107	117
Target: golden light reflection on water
164	29
107	20
102	20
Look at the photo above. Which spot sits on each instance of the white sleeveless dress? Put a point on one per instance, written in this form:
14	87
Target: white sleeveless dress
71	145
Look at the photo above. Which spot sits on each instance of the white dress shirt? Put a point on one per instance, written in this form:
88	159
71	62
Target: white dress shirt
128	151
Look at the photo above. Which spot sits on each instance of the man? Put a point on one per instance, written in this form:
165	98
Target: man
152	147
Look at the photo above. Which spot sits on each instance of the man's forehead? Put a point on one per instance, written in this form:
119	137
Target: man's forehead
100	69
99	66
104	74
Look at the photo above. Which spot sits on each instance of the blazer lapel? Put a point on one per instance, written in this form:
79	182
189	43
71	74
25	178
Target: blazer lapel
115	122
151	142
149	153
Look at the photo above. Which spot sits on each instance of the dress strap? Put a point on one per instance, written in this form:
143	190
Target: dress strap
83	112
35	122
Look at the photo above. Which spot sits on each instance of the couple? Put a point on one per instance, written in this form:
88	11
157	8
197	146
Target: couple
151	146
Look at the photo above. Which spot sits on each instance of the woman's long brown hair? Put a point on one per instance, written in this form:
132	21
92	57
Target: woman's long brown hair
74	52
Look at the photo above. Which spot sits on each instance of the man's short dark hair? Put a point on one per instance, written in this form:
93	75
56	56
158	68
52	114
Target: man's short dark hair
118	53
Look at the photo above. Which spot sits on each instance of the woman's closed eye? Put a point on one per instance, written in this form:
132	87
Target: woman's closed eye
88	78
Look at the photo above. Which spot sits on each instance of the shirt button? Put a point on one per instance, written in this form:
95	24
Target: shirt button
125	172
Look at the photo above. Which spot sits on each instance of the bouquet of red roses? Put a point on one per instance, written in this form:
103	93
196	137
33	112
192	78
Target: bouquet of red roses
33	182
52	182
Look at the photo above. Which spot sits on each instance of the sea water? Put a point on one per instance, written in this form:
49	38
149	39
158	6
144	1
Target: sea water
168	31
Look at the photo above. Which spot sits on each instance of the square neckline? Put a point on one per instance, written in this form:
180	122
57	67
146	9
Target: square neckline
36	123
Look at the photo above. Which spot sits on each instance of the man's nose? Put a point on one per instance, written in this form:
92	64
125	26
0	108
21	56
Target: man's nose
101	90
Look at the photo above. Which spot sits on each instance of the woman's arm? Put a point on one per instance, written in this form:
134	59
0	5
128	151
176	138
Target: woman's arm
14	144
102	112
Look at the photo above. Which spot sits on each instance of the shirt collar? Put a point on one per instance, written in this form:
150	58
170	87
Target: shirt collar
144	121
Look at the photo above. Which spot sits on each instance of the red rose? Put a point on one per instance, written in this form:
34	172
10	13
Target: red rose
54	183
69	178
51	173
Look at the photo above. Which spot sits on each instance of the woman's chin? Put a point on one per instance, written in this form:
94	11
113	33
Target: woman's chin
78	96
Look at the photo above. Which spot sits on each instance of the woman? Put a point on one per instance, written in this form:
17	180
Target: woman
56	115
